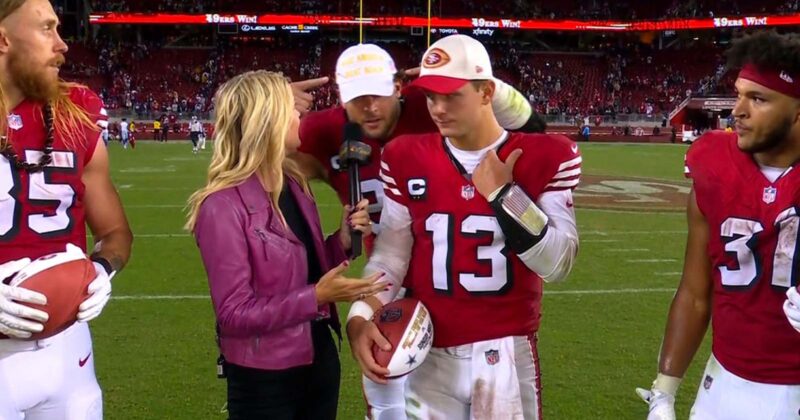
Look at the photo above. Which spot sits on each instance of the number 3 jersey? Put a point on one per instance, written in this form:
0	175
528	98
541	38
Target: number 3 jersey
475	287
321	135
41	212
753	226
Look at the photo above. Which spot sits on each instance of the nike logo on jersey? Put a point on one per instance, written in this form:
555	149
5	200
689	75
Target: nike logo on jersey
574	148
82	362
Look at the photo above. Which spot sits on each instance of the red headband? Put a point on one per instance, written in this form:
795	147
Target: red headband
779	81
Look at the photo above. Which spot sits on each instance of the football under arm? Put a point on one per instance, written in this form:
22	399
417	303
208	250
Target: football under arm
511	108
690	311
543	234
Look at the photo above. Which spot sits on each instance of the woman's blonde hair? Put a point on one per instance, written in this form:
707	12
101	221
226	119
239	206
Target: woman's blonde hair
254	112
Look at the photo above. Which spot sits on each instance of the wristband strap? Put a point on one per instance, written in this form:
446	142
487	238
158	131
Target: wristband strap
103	262
667	384
362	309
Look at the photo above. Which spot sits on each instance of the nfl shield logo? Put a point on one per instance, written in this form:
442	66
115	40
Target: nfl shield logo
492	357
769	195
707	382
468	192
14	121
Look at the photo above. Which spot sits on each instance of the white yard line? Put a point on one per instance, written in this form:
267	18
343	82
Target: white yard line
547	293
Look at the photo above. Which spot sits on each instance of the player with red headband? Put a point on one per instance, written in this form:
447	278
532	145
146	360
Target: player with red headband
740	269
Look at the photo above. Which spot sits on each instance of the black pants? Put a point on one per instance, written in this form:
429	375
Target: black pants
306	392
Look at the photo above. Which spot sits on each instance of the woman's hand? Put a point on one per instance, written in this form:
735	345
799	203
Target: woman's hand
334	287
354	220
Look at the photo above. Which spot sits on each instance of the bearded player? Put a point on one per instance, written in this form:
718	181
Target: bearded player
373	97
474	219
741	252
54	180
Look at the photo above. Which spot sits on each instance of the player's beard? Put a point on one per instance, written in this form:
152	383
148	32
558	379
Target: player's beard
36	82
773	139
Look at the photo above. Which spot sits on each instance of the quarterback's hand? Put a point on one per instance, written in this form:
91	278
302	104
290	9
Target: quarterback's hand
17	320
492	174
792	307
302	99
662	405
99	294
362	334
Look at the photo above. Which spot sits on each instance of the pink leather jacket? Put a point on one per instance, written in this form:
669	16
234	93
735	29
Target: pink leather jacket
258	276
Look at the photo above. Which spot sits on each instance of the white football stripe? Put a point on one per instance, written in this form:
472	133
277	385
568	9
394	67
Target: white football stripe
563	184
570	163
394	191
387	179
546	293
384	166
567	174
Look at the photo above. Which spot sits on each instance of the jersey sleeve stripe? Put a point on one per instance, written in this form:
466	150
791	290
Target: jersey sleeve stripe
568	173
392	190
570	163
384	166
387	179
571	183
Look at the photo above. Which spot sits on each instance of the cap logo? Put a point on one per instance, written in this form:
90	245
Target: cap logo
478	69
786	78
435	58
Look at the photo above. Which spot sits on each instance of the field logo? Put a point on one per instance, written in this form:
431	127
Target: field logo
618	193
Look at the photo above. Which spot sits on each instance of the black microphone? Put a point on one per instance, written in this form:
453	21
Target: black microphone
353	153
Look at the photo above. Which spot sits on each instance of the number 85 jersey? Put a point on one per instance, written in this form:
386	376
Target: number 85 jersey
475	287
753	228
41	212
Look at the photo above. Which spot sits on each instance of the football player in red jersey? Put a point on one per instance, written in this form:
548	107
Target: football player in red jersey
474	219
54	180
373	97
741	250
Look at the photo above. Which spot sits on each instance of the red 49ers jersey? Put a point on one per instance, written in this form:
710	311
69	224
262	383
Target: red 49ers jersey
43	211
753	226
322	134
474	286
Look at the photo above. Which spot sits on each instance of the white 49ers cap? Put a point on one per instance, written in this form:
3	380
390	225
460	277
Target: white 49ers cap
365	69
452	62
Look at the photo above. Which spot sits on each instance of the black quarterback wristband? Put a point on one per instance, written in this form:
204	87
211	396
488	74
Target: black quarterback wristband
518	238
104	262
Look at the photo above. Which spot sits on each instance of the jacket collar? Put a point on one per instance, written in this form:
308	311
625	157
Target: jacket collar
253	195
256	200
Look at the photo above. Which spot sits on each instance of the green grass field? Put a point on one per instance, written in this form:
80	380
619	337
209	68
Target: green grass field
154	344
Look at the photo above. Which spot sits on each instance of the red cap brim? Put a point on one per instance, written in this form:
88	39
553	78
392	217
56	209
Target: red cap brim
442	85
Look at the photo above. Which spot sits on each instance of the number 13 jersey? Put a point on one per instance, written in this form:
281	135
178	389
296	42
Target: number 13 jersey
475	287
753	227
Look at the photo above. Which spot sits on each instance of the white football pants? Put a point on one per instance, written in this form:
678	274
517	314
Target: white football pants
50	379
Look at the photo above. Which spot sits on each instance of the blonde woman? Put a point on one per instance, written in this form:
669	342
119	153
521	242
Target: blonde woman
273	278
